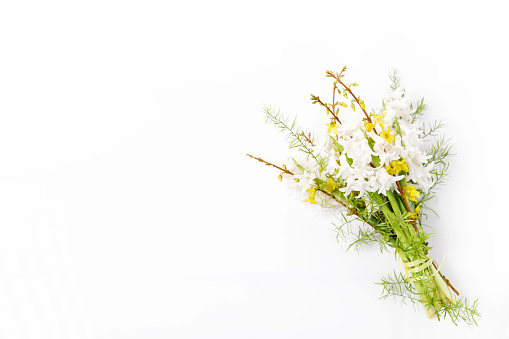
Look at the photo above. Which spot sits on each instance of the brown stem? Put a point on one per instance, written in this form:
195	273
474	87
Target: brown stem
342	203
323	191
367	222
334	98
306	138
338	79
446	280
344	69
270	164
356	100
334	115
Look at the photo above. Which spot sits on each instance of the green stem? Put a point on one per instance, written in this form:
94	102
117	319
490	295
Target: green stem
394	202
391	218
398	211
401	204
431	289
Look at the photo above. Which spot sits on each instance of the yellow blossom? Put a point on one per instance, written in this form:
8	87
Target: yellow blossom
311	199
369	126
401	165
411	193
386	134
415	213
391	170
332	127
330	185
397	166
379	119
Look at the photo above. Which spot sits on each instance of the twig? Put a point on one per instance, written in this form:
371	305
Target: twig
306	138
324	105
338	79
446	280
270	164
354	212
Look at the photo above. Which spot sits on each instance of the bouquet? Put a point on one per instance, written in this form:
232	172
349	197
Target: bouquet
379	175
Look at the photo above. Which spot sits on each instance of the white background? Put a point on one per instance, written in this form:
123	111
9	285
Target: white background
128	208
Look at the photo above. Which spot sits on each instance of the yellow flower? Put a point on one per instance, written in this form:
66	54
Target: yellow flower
330	185
397	166
311	199
391	170
414	215
379	119
332	127
401	165
369	126
411	193
386	134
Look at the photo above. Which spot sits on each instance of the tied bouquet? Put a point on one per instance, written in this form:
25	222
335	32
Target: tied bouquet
379	172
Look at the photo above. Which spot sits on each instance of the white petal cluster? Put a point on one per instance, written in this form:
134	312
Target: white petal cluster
354	166
408	145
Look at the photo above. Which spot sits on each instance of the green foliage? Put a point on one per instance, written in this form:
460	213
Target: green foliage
397	287
432	128
395	79
294	138
462	310
439	151
420	107
362	236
